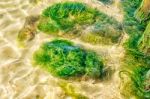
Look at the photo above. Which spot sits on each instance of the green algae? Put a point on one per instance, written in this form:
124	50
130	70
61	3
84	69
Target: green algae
142	13
72	18
144	42
65	60
66	15
138	83
135	66
136	30
132	26
136	62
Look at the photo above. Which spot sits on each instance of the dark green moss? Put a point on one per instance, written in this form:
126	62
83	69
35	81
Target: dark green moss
63	59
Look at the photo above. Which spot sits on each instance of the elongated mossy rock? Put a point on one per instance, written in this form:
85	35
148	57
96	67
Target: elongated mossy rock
66	16
73	18
143	12
64	59
144	42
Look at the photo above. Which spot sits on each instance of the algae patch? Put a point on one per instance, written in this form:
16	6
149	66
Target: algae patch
75	19
64	59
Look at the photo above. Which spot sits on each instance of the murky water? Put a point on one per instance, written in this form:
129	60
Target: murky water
20	80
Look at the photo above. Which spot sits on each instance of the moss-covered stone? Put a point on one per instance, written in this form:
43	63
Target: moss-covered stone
64	59
65	16
73	18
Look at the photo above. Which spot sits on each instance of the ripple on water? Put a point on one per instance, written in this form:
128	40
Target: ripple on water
7	53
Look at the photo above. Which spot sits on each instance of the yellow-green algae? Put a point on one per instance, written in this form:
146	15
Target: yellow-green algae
71	90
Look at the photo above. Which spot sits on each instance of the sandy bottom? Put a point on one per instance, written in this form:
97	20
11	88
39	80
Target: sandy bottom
20	80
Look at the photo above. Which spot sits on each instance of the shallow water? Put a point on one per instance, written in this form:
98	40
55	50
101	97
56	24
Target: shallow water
20	80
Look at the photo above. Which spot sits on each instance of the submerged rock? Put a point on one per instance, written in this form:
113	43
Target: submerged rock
65	60
27	33
73	19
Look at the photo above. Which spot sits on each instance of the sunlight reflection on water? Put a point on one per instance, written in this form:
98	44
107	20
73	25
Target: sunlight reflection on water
18	79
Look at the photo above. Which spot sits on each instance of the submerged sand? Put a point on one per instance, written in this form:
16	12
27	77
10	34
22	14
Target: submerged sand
20	80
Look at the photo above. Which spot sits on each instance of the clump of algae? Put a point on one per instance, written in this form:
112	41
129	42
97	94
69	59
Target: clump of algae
72	18
65	60
136	68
